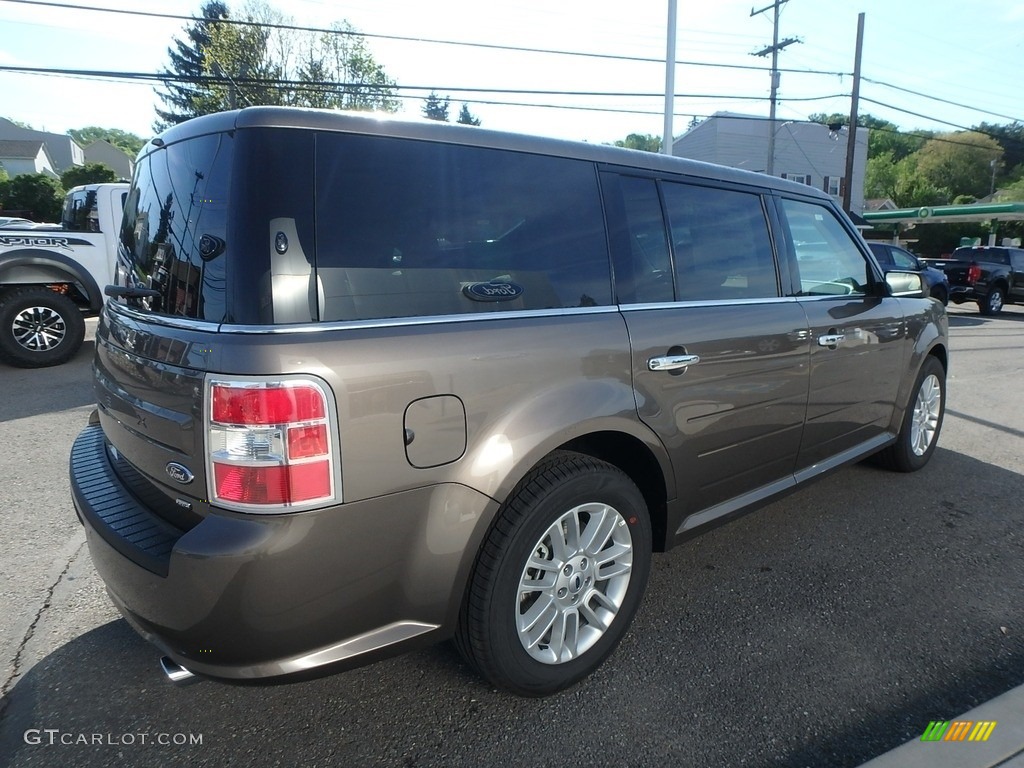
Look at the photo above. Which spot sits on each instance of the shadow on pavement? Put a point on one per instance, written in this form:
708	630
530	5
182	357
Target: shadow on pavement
822	630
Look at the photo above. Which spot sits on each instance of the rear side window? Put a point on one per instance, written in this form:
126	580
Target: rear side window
412	228
174	238
828	260
991	255
721	243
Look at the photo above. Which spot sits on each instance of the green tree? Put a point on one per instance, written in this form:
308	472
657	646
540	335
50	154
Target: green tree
644	141
436	108
466	117
1011	139
338	71
184	94
90	173
884	136
219	66
127	142
37	193
959	163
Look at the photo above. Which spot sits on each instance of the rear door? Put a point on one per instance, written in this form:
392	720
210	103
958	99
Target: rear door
719	357
857	334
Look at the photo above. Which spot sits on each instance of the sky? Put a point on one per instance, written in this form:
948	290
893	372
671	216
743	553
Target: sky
935	65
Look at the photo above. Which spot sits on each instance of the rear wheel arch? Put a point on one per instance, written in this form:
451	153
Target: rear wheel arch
640	464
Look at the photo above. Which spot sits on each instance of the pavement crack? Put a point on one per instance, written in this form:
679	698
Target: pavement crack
30	632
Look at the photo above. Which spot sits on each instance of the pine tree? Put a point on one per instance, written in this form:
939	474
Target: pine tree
184	97
436	108
466	117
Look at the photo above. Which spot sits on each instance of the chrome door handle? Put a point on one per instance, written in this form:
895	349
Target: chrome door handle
831	340
672	362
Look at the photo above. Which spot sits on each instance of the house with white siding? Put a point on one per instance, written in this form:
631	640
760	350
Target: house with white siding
18	157
809	153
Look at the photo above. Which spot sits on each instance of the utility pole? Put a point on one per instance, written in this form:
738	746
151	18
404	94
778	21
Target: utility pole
773	49
851	140
670	78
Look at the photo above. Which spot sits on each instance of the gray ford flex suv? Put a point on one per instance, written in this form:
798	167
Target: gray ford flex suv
364	385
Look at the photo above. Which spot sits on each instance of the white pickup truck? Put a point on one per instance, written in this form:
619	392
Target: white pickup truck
51	279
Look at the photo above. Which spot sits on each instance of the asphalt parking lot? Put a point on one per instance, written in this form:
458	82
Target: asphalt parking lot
822	630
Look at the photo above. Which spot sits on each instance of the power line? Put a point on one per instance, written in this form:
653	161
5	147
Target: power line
943	101
321	85
400	38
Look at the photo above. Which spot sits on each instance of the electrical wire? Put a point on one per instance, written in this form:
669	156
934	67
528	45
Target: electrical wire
400	38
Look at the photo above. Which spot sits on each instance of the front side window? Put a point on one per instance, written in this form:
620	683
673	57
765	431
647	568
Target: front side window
828	259
721	243
412	228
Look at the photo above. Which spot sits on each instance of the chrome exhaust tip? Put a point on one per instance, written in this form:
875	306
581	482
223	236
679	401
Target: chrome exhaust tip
176	673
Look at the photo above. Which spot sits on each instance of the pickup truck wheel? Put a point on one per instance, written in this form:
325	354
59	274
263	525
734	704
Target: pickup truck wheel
39	327
922	421
992	304
559	577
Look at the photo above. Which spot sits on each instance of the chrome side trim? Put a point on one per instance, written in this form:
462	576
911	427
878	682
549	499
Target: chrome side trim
710	303
736	504
354	646
850	454
165	320
349	325
779	486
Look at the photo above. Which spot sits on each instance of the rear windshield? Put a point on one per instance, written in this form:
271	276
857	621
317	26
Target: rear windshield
337	227
991	255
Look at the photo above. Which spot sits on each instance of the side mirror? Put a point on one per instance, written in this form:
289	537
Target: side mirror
907	284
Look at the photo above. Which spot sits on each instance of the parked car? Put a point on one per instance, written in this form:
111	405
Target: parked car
894	257
15	222
990	275
365	385
52	276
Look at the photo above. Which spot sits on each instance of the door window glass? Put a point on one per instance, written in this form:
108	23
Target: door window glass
828	259
650	270
721	243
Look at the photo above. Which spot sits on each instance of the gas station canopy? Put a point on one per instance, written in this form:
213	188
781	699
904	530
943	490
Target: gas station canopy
948	214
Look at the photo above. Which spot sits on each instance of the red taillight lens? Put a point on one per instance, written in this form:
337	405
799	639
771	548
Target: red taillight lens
270	444
973	274
269	405
272	485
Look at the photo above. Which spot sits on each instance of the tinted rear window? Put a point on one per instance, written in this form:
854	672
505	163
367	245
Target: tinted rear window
991	255
174	235
411	228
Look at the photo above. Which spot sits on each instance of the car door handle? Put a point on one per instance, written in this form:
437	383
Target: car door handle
831	340
672	362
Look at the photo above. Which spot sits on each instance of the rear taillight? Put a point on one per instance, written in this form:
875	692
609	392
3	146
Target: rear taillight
270	444
973	274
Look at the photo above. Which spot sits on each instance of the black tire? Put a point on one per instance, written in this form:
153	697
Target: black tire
939	293
564	488
39	327
993	302
921	422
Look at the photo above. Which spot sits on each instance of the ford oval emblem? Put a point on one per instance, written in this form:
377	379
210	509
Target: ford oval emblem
179	473
495	290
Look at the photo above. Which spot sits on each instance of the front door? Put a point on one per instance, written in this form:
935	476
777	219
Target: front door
857	332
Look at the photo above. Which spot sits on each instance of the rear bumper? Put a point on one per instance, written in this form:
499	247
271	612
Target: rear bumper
958	294
247	597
